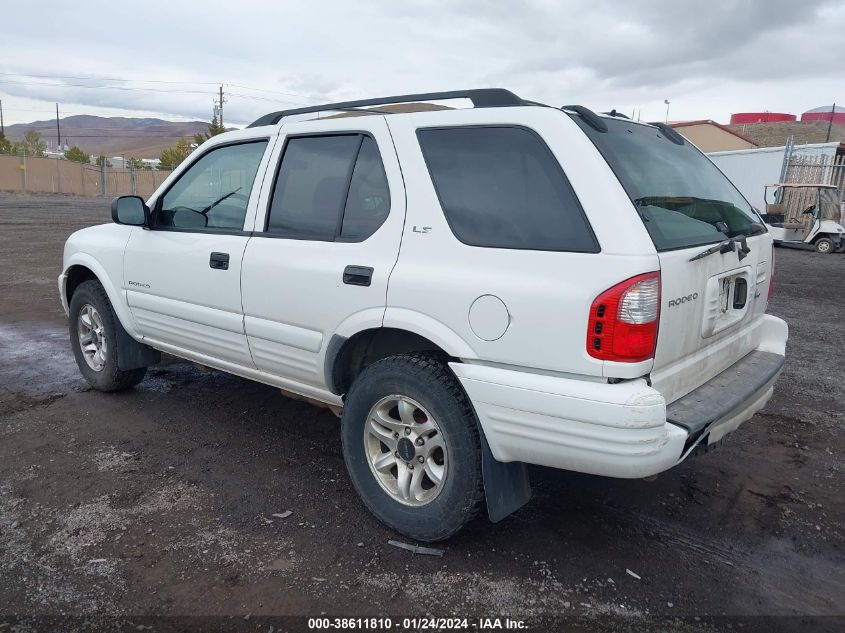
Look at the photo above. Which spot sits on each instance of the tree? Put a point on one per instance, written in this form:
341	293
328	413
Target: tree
32	144
76	155
134	163
6	146
102	160
214	128
173	156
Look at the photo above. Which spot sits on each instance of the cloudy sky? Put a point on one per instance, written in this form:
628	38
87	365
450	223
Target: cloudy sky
165	59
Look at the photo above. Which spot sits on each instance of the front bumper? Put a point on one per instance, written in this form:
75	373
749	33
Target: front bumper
616	430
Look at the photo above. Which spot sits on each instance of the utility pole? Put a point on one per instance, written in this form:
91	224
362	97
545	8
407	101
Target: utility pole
220	103
58	129
2	127
830	122
666	101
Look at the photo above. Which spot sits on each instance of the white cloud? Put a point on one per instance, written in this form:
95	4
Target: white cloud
708	59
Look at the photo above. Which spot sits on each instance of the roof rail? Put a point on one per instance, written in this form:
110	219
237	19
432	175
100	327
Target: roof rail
669	132
590	118
481	98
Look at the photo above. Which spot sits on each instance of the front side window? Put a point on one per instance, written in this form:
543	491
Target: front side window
329	188
682	197
213	193
501	187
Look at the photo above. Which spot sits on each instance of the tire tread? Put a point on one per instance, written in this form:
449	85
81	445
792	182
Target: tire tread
434	366
112	378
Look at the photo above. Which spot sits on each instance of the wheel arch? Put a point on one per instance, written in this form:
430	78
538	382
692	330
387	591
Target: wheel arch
346	357
369	336
82	267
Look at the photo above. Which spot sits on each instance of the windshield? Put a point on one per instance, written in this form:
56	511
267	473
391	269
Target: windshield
682	198
830	205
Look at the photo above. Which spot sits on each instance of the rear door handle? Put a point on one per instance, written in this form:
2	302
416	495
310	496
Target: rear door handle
358	275
219	261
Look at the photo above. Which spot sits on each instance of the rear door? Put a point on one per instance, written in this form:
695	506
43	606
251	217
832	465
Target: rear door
325	242
709	310
714	251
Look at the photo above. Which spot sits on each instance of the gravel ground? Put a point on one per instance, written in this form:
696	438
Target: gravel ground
160	501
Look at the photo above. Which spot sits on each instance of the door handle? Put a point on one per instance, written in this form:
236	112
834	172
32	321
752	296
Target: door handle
358	275
219	261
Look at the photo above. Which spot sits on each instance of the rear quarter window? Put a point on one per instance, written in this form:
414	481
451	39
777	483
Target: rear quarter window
501	187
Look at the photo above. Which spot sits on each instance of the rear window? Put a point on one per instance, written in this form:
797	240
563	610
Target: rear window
682	198
500	187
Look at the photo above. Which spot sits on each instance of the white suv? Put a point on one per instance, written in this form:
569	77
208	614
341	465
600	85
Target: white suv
475	289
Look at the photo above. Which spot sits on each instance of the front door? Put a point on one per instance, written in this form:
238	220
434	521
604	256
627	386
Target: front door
326	239
182	277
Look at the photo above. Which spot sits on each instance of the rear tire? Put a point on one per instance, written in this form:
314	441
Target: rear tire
824	245
841	247
418	469
93	338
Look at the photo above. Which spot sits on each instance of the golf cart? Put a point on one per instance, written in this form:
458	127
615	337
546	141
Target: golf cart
801	213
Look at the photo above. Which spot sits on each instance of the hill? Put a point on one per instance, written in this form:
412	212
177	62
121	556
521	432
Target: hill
112	136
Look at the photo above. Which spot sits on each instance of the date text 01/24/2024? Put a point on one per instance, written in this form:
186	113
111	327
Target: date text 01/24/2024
416	624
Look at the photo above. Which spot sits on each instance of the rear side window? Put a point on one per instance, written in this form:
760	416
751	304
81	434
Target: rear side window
500	187
368	200
329	188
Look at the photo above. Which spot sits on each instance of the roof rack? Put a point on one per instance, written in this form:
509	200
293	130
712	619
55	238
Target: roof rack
481	98
669	132
590	118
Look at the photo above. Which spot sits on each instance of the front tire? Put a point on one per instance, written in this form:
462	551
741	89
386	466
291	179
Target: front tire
824	245
412	448
93	338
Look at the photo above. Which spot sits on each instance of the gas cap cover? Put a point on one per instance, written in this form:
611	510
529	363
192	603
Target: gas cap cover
489	318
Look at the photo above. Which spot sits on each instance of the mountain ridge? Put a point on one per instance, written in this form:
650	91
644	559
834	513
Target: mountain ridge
112	136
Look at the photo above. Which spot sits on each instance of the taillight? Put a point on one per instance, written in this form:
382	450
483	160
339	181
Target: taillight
623	320
771	278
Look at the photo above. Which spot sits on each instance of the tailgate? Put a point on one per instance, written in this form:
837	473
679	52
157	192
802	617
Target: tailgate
710	313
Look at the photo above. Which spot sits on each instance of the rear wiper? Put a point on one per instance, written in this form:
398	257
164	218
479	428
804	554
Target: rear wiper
728	246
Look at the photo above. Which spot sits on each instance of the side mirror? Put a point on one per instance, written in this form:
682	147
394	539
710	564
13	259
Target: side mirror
130	210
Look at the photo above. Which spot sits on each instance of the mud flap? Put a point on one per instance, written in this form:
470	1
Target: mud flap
130	353
506	486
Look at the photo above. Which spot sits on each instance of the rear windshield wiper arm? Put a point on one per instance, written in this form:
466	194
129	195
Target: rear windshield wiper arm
726	246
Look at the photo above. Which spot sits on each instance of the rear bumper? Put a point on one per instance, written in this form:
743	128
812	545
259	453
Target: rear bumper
620	430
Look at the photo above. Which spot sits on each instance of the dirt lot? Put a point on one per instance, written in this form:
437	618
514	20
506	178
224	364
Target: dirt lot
160	500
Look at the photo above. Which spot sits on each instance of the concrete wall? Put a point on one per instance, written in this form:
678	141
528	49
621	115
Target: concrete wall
777	134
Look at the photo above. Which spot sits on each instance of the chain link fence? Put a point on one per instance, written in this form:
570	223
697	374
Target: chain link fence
56	175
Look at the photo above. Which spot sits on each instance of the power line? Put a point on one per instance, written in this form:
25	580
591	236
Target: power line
143	81
161	81
280	92
124	88
46	134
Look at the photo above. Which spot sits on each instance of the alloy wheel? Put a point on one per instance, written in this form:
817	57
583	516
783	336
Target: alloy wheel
406	450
